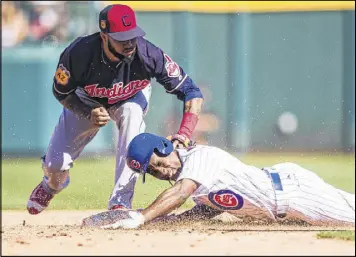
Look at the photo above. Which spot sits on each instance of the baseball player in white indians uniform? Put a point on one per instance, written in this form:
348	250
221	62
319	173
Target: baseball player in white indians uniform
107	76
217	182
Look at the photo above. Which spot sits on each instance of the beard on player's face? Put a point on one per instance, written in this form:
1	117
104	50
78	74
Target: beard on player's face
164	168
120	50
125	48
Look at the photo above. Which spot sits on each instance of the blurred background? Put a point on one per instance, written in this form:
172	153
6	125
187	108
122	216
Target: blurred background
276	76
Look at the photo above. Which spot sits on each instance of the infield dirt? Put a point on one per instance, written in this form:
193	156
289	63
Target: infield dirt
60	233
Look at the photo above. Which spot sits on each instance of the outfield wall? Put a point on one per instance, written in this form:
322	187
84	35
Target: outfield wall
252	66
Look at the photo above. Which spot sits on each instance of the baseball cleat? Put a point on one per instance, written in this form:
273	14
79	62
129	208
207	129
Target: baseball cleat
39	200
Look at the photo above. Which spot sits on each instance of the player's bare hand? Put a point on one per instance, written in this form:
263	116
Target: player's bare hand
99	116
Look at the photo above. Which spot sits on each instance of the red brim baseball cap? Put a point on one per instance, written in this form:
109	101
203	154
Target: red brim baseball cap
127	35
119	22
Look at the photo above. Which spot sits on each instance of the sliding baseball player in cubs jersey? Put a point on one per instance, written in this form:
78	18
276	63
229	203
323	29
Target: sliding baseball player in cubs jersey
217	182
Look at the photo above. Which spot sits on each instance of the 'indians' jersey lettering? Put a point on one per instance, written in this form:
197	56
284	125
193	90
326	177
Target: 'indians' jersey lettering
118	92
84	67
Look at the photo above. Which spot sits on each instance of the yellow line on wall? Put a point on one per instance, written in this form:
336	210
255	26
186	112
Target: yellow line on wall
236	6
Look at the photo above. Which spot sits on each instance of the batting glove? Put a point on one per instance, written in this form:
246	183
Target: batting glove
134	219
182	139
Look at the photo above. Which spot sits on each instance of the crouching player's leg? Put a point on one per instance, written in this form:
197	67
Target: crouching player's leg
316	201
129	119
70	137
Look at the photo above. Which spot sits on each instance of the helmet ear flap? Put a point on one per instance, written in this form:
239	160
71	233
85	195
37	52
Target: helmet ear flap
164	148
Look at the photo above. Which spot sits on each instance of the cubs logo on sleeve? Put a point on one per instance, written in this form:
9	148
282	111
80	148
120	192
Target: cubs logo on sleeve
226	199
173	70
62	75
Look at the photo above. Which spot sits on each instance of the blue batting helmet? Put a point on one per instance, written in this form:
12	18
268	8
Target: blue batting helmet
141	149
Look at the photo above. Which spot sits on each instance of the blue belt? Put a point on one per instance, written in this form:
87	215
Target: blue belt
276	181
277	185
275	178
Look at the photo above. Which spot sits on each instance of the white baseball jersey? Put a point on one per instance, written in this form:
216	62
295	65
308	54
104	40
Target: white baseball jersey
284	190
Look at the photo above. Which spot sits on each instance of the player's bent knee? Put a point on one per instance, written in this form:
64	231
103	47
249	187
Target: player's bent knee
60	162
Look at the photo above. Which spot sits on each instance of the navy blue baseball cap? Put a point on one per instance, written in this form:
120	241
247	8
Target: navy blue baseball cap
142	147
119	22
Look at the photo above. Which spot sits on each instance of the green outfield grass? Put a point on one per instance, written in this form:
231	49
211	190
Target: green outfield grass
343	235
92	179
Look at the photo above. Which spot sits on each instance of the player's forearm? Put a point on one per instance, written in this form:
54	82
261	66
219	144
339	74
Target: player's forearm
192	109
73	103
194	106
168	201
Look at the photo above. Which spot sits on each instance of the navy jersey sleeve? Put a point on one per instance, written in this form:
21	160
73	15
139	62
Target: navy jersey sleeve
68	73
169	74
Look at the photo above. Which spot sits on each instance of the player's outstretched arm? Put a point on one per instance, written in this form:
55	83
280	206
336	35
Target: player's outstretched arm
170	199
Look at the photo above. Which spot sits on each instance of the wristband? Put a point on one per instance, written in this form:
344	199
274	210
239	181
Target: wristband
187	126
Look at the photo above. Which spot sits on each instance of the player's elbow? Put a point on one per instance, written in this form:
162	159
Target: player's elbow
60	97
193	94
188	91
